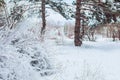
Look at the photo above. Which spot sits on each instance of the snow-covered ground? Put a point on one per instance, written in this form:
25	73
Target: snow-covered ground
60	58
23	56
92	61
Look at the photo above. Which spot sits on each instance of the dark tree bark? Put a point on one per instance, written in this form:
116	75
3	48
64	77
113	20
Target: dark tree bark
77	38
43	18
83	29
113	36
119	34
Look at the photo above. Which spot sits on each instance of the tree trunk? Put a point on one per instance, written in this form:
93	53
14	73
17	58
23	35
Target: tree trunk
43	18
113	36
77	40
6	16
83	29
119	34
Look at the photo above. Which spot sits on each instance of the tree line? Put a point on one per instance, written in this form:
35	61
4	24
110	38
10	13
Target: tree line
86	11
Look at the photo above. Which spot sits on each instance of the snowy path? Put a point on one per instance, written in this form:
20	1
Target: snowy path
96	61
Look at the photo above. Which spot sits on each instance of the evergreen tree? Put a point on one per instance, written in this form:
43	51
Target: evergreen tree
77	38
43	18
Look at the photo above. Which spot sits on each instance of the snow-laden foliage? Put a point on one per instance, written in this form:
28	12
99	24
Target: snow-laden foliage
23	56
91	12
18	63
13	66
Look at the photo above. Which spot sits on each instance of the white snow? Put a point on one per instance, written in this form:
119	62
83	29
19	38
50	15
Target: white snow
98	60
93	61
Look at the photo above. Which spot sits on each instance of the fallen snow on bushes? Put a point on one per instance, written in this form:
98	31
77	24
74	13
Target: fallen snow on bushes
26	61
22	55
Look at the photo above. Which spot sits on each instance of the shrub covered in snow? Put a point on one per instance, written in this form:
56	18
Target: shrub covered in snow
23	56
19	63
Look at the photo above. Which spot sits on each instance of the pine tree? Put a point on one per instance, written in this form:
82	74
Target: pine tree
77	38
43	18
